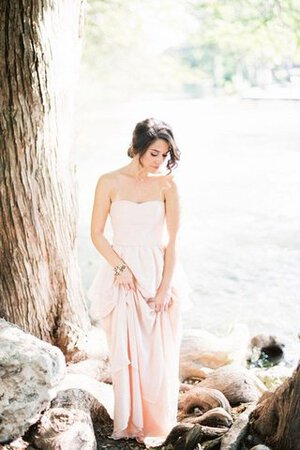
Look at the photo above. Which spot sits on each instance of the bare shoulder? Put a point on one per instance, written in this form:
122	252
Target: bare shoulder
107	181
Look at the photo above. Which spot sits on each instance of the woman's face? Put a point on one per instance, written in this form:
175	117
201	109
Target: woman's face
155	155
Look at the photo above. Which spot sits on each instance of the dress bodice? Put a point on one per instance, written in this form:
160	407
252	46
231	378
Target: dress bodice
137	224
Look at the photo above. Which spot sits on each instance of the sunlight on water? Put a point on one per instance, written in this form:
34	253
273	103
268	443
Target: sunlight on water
240	188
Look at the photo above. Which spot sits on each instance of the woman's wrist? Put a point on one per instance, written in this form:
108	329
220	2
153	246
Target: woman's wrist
163	290
119	268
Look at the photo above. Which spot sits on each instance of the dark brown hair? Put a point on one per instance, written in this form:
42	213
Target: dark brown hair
148	131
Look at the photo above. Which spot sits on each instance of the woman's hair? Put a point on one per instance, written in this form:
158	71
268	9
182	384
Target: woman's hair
148	131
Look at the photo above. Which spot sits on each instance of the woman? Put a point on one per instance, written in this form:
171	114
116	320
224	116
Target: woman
139	307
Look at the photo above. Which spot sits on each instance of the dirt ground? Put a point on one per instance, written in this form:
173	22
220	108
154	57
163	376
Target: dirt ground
103	441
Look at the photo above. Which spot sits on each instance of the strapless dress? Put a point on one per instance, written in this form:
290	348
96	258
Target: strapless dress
143	344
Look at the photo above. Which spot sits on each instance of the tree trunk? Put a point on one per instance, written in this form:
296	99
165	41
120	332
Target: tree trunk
40	286
277	416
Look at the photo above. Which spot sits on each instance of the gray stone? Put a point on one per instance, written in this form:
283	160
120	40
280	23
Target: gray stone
260	447
30	372
68	424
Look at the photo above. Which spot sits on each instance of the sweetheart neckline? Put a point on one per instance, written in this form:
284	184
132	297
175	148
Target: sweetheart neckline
138	203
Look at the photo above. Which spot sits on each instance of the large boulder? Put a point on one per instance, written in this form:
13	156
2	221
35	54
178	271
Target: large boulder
103	392
69	422
201	350
30	372
238	384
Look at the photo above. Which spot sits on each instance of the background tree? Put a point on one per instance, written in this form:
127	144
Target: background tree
134	59
252	41
219	45
40	286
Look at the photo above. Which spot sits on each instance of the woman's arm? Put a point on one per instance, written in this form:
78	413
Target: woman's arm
172	222
100	213
99	217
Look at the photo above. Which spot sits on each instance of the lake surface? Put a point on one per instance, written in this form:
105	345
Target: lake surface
239	179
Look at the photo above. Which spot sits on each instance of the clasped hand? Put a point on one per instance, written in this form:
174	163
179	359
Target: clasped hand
126	279
159	303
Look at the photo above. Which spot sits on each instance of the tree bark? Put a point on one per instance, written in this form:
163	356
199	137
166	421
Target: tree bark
40	286
277	416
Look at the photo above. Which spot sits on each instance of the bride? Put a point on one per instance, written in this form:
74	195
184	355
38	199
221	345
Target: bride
135	291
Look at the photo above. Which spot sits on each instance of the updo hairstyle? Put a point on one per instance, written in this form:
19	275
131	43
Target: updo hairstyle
148	131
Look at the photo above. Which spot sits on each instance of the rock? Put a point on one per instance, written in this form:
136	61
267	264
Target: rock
238	384
260	447
201	349
30	371
18	444
266	349
97	368
102	392
68	424
96	345
274	376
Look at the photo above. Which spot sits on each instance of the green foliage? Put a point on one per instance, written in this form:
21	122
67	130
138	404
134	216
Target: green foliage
240	36
166	45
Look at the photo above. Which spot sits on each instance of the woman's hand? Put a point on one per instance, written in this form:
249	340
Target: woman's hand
125	279
161	302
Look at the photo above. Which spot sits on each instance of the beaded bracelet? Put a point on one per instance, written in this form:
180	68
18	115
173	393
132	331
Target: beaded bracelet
120	268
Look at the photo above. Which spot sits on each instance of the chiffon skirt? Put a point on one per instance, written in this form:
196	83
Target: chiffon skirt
143	344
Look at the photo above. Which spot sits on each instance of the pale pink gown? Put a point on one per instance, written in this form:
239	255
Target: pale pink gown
143	344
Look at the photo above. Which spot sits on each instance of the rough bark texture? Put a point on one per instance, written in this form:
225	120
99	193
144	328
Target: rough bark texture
202	400
215	417
233	438
189	437
277	416
40	287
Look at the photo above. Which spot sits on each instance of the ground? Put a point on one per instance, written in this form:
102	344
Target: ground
103	442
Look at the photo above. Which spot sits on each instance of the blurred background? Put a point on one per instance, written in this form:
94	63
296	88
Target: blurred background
226	76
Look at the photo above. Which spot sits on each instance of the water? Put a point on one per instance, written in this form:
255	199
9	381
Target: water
240	189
